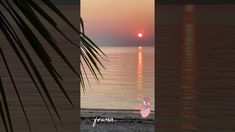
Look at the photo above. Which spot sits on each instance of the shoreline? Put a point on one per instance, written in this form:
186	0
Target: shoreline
115	113
123	120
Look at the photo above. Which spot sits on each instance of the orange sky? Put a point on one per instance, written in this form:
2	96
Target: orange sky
117	22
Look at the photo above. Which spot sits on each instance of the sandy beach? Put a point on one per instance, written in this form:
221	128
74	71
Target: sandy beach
123	121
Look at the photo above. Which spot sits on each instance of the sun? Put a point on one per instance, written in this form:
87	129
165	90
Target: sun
140	35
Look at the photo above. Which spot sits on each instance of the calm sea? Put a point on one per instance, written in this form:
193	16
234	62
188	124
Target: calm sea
195	76
128	78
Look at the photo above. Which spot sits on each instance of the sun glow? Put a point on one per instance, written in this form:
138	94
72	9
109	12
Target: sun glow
140	35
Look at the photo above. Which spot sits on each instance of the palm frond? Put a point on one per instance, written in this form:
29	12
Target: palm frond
18	10
4	108
91	55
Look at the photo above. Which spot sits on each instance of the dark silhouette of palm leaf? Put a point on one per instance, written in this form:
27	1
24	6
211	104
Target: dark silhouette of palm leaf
90	53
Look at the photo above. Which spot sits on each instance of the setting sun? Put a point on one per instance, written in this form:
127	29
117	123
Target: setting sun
140	35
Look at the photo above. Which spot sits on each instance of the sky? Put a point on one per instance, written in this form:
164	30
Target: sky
117	22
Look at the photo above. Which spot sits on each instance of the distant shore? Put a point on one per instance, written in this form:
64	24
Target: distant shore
123	120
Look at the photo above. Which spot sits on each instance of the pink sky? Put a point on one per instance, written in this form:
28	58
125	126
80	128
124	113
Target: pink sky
117	22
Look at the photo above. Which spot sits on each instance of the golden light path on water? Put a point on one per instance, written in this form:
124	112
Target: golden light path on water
188	72
140	74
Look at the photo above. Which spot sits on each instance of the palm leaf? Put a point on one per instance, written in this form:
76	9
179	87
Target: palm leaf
4	107
90	53
19	43
16	89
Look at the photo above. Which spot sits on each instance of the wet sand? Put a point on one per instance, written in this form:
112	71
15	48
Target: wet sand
123	121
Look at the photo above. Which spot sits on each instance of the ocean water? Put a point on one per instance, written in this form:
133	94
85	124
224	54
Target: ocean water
195	60
128	77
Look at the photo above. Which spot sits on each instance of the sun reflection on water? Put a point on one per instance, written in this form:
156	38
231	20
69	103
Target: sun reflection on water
189	98
140	73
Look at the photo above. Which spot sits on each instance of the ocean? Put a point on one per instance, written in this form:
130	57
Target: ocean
195	60
128	77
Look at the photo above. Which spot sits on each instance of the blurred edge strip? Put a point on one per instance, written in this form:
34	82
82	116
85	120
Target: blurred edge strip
199	2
